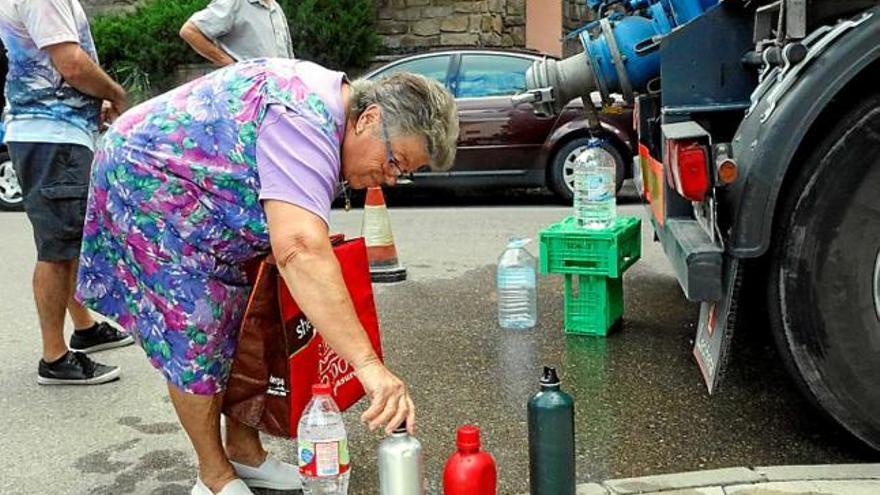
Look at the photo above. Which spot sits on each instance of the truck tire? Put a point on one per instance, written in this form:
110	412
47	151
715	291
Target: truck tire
561	174
824	284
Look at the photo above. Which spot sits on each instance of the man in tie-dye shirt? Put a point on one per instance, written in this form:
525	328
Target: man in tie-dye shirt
56	98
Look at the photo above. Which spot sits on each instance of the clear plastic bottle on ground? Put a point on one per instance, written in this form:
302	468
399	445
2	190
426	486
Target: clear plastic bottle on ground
515	286
323	446
594	188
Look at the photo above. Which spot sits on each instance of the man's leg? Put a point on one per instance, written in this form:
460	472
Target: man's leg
54	180
82	319
200	417
51	293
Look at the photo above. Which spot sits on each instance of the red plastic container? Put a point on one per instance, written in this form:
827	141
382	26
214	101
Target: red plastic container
469	471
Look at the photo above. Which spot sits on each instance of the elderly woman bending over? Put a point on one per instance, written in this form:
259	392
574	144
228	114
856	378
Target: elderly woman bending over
189	186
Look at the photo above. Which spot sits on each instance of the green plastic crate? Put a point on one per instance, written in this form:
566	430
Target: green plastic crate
567	248
592	304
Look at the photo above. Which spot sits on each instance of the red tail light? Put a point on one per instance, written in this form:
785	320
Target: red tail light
688	171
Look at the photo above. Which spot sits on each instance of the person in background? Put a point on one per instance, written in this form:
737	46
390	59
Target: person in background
228	31
190	187
54	92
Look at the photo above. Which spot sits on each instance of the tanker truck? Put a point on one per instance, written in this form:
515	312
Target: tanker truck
759	164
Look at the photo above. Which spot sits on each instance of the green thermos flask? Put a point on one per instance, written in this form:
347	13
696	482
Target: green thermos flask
551	439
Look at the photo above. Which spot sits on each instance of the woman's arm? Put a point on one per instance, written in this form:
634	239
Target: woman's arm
301	245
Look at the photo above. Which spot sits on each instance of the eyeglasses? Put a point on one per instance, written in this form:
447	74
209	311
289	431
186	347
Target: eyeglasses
389	156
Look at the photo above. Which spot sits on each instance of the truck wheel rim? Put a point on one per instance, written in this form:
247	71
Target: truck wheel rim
568	167
877	285
10	190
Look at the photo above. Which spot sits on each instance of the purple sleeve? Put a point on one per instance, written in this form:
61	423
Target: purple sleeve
297	162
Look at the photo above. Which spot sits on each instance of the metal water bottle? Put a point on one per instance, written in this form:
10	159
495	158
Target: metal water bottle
401	469
551	439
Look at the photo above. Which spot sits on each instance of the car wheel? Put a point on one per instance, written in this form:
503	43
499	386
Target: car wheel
10	191
561	176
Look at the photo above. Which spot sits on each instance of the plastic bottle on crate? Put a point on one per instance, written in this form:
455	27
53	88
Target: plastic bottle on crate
595	188
323	446
515	286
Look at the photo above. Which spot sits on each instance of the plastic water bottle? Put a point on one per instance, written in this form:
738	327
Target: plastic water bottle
515	286
323	446
595	188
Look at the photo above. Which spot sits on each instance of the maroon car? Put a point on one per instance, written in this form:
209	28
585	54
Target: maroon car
504	145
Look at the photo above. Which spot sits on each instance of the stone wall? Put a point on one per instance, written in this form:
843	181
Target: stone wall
95	7
411	25
574	15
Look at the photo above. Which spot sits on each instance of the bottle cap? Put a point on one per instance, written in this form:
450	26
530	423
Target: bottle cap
550	377
401	428
468	437
321	389
515	242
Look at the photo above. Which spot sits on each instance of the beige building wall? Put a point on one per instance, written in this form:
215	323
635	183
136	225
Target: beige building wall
544	26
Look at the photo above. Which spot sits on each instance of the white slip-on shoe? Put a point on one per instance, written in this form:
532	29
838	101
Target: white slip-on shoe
234	487
272	474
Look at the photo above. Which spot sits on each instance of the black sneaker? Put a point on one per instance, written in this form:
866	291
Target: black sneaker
101	336
75	368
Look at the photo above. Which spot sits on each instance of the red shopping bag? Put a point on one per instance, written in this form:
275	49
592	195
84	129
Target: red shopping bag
346	389
280	354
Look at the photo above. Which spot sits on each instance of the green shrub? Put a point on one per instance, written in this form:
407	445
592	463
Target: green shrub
135	81
147	39
339	34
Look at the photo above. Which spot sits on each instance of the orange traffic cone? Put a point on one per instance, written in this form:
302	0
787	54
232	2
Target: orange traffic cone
376	229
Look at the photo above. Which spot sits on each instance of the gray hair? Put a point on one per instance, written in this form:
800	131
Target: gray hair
412	105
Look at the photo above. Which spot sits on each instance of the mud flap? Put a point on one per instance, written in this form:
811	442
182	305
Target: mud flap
716	326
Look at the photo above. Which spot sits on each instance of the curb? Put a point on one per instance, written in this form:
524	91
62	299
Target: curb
792	480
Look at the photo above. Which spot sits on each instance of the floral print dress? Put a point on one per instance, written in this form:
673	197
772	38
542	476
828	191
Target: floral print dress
174	215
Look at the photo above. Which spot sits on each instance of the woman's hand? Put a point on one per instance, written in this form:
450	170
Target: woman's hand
390	403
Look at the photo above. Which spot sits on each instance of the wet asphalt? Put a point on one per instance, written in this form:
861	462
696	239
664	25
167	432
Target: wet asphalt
641	406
